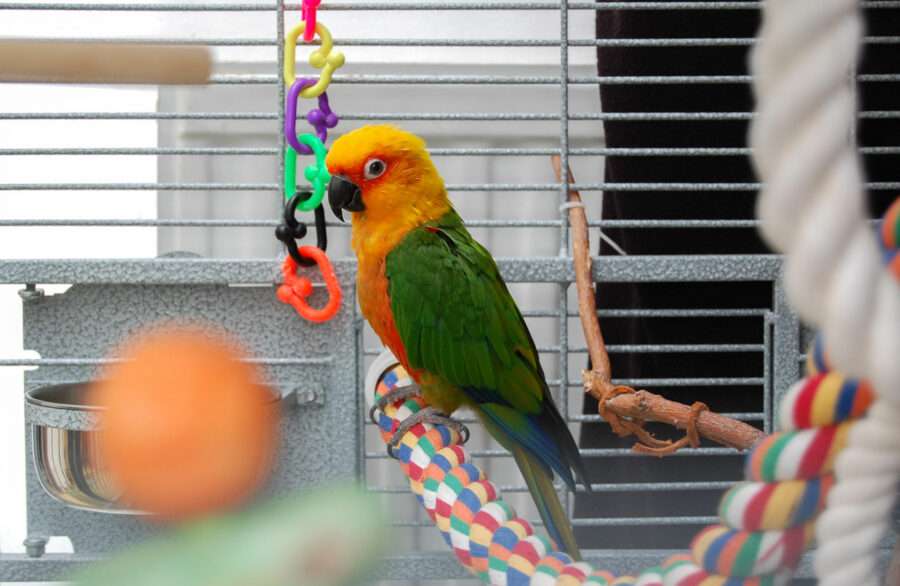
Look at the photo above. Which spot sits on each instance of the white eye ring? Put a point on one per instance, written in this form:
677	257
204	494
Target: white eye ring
374	168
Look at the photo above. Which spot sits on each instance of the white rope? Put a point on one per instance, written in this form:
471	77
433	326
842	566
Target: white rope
580	204
613	244
812	207
571	204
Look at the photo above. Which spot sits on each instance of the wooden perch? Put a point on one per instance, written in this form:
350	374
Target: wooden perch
113	62
625	409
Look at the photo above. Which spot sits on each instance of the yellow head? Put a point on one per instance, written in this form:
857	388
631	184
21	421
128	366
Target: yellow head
385	178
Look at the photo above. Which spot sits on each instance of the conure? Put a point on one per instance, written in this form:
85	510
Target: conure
435	297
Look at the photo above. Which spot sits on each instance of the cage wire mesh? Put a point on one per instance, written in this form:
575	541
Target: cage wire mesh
495	88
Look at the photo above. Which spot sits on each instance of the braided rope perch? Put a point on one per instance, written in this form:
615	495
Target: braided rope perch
812	207
767	521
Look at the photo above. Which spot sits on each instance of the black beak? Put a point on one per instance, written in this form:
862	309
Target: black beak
344	194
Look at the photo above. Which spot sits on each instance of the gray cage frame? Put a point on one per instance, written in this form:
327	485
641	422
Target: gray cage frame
158	283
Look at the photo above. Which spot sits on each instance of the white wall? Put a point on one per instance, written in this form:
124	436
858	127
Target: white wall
61	242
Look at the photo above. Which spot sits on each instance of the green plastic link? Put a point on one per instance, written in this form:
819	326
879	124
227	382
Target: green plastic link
290	172
316	174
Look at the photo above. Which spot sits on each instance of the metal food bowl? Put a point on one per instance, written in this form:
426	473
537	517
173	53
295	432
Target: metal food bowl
69	456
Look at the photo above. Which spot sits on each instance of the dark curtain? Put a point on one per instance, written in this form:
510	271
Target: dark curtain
700	204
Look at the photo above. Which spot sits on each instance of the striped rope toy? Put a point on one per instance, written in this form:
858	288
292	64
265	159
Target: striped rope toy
766	522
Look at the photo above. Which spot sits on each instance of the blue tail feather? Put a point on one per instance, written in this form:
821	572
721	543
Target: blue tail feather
540	484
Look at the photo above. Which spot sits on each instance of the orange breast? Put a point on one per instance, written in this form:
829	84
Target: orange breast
372	291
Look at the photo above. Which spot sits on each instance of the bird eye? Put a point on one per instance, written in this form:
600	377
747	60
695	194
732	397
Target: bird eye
374	168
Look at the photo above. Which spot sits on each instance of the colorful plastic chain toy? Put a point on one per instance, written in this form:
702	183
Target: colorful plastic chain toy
296	289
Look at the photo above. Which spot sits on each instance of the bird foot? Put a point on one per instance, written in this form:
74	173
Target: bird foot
392	396
431	415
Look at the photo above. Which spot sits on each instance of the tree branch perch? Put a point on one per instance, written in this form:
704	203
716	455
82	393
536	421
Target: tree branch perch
625	409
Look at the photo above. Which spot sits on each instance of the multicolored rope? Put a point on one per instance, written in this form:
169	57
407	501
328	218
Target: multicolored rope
769	521
766	522
889	239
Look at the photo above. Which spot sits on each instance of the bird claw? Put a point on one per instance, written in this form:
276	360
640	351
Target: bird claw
393	396
430	415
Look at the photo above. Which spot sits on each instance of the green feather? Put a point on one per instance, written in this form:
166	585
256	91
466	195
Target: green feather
399	290
428	315
473	365
485	366
540	485
460	286
495	333
433	350
446	345
477	293
521	379
411	335
455	328
475	328
455	361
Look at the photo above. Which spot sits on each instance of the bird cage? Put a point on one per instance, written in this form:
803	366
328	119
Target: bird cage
127	206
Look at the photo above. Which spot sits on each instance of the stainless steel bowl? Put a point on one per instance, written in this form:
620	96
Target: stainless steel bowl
69	456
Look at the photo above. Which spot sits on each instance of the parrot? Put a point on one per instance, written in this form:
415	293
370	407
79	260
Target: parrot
437	300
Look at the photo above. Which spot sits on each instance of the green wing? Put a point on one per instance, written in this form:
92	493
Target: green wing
457	319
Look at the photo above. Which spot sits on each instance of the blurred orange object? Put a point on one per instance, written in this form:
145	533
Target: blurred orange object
189	429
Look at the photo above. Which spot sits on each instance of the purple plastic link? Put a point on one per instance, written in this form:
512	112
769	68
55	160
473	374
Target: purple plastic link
290	115
321	118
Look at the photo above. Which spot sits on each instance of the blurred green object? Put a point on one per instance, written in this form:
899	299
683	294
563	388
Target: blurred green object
330	536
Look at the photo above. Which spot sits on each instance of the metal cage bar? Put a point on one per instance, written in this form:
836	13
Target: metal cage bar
777	345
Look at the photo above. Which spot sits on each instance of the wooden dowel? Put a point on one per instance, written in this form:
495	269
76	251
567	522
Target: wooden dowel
72	62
